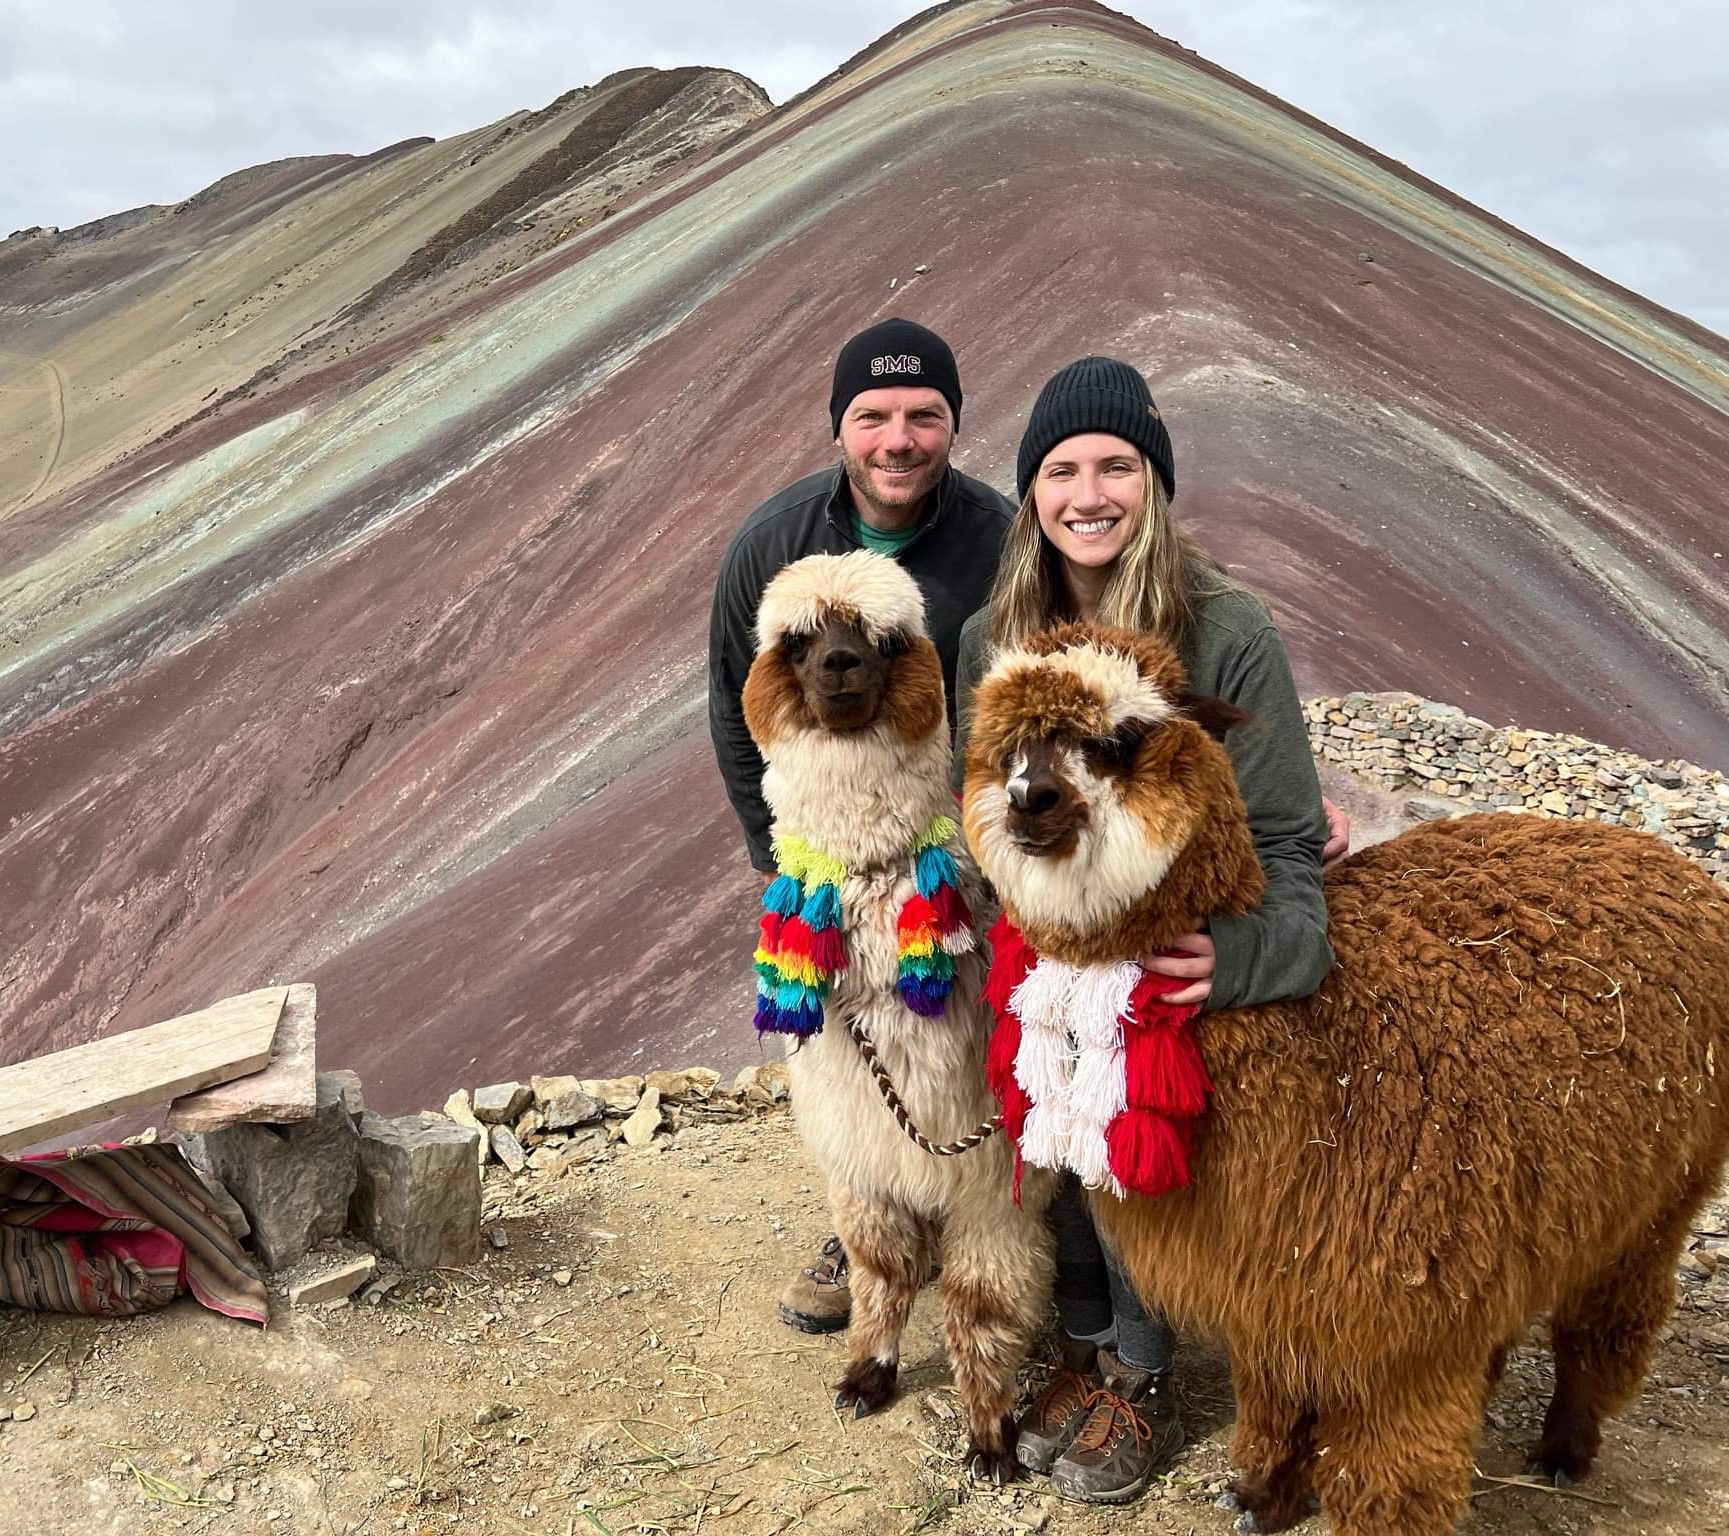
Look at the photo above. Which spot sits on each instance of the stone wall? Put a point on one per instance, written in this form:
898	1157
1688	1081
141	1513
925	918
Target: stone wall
1402	742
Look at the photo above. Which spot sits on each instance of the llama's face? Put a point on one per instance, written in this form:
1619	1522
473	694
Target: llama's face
841	672
1080	788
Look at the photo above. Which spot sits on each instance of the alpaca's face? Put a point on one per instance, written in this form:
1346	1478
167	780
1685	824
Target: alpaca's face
1081	788
841	672
1055	781
1056	826
842	649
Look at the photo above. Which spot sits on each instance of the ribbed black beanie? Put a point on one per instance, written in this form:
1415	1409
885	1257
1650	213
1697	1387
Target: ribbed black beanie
1097	394
894	354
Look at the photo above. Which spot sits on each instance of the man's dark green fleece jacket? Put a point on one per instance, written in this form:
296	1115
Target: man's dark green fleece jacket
953	558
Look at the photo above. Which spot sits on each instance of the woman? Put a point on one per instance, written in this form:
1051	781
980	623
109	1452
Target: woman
1094	540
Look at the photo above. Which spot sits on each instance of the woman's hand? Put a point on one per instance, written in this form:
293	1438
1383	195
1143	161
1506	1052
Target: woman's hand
1338	834
1196	966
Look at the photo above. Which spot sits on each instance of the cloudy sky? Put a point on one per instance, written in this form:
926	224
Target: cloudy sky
1600	128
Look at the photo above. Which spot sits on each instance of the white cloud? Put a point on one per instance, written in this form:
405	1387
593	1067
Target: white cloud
1603	130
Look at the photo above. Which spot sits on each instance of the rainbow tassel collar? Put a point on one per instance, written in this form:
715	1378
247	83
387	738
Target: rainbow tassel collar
800	947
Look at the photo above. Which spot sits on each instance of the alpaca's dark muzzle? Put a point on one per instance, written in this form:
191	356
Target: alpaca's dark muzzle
1045	811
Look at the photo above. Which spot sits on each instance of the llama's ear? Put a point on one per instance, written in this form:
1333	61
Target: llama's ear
1214	716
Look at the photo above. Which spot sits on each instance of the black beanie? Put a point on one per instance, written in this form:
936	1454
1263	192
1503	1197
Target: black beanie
1097	394
894	354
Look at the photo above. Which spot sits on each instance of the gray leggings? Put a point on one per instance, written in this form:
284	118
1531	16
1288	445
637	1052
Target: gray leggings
1094	1294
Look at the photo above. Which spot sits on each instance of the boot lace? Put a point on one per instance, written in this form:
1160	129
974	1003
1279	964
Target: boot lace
1067	1392
1112	1417
831	1266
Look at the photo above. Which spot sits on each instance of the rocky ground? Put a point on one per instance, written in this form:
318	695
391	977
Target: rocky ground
613	1364
1446	762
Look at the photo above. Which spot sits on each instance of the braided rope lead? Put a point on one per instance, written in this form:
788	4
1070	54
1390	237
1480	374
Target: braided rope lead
899	1110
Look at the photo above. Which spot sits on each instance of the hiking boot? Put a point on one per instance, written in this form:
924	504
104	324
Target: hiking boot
1050	1422
1131	1430
820	1299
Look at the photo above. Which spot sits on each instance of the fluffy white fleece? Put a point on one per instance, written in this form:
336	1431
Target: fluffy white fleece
863	585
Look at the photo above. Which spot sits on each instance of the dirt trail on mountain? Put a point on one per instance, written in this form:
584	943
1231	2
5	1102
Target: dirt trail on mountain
56	435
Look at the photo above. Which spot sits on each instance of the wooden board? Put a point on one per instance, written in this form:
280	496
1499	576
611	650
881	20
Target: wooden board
285	1091
89	1083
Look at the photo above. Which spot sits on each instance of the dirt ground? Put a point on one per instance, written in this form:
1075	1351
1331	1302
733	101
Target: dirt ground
616	1367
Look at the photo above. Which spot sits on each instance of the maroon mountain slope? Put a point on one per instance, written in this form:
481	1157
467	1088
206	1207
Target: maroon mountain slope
388	674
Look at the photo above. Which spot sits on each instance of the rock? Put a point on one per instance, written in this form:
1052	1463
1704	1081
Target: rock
495	1413
692	1083
775	1077
456	1106
546	1089
353	1091
768	1083
582	1148
294	1182
939	1407
342	1281
501	1102
529	1125
620	1095
417	1198
644	1121
542	1159
23	1412
571	1108
284	1091
508	1149
703	1079
375	1293
498	1237
562	1277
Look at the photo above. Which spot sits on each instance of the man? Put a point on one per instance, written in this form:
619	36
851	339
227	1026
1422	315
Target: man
895	411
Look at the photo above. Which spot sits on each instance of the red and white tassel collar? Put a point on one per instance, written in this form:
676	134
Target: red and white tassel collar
1094	1071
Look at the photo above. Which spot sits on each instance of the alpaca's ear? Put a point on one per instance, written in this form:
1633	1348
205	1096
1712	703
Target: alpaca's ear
1214	716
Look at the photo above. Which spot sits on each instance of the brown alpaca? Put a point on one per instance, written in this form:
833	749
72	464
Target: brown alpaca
845	702
1503	1102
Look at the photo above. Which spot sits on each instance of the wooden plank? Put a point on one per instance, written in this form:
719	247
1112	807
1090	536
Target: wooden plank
88	1083
285	1091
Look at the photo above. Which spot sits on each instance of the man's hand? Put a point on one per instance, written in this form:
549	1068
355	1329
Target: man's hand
767	878
1338	834
1196	966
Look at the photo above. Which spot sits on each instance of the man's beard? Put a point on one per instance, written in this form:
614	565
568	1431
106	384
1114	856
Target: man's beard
900	497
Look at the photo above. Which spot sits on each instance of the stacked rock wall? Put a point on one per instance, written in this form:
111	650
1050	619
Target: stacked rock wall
1404	742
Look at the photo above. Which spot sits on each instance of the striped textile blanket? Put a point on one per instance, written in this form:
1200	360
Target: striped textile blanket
117	1230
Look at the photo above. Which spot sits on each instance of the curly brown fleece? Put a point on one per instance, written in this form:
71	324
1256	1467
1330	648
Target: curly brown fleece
1505	1101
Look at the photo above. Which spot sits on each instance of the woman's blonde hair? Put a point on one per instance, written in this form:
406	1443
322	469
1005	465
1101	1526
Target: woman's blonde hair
1161	579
